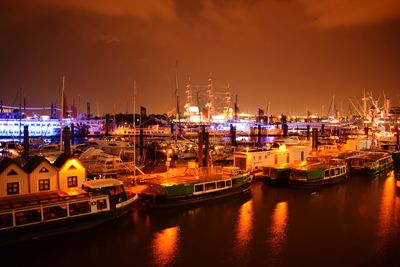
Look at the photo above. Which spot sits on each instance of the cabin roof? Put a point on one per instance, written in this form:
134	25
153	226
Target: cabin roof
34	162
60	161
188	179
102	183
5	162
373	156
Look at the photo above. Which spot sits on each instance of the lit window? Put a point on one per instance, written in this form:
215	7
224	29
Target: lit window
13	188
44	184
72	181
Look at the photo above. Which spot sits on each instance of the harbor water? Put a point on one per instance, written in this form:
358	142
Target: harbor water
356	223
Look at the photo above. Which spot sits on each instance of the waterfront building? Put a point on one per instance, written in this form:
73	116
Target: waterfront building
43	176
71	172
14	179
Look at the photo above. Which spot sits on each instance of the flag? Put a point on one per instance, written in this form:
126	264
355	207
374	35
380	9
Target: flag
74	111
143	111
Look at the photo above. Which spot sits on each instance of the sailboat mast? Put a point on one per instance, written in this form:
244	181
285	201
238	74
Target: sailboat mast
20	111
62	112
134	128
177	101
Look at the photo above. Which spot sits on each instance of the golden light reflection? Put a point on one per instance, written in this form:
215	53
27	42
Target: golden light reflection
165	246
389	213
278	229
244	228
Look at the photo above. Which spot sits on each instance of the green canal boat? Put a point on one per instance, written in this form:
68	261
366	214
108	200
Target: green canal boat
205	185
319	174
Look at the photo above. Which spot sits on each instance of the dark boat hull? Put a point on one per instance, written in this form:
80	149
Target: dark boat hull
302	184
160	202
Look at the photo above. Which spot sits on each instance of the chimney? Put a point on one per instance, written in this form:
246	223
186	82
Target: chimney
67	140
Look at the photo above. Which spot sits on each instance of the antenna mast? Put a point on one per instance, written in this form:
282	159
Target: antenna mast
62	112
177	100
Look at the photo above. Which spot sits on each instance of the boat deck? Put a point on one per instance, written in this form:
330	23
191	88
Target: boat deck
11	202
188	179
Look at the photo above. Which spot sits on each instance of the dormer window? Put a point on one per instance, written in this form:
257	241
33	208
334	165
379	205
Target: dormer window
43	169
12	172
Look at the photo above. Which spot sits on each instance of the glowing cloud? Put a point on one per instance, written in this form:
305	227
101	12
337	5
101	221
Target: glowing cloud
336	13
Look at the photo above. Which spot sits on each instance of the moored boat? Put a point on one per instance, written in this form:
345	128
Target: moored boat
207	185
319	174
37	215
371	162
279	173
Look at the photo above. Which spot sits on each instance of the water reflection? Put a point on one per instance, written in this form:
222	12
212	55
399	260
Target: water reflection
278	229
166	246
389	213
244	229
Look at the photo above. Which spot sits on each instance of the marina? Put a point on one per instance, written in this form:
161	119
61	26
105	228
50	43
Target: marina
200	133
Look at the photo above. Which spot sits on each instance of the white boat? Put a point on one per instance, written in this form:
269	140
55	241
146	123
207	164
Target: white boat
39	215
108	166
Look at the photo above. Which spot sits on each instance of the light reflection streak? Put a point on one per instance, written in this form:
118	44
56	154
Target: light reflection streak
165	246
389	213
244	229
278	229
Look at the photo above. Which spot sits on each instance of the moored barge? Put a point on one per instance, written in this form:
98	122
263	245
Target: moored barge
37	215
371	162
319	174
210	184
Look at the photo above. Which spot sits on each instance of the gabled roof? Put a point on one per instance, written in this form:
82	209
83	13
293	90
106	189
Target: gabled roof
34	162
60	161
4	163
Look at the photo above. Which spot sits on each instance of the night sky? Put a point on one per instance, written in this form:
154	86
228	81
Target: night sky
296	54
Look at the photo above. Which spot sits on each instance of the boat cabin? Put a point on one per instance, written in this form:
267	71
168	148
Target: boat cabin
254	160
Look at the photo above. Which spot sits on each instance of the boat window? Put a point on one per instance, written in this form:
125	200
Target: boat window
332	172
220	184
55	212
327	173
6	220
228	183
101	204
336	171
210	186
28	216
199	187
79	208
287	158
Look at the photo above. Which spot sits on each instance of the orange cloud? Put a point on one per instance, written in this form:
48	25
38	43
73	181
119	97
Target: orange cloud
336	13
142	9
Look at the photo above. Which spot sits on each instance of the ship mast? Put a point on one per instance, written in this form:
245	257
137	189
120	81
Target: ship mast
134	128
177	101
189	100
210	100
62	113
